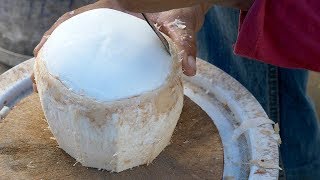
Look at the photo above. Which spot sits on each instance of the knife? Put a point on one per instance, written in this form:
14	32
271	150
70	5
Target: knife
161	37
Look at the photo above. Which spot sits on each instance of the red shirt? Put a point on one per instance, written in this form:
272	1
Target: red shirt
284	33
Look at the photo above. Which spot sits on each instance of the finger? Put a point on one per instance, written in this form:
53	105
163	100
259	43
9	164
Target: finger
185	40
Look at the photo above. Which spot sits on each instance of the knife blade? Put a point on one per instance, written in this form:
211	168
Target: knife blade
161	37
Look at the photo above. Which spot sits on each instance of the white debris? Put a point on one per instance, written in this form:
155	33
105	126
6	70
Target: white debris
181	55
178	23
71	12
185	142
52	138
266	164
250	123
75	163
30	165
276	128
266	132
276	136
157	26
4	112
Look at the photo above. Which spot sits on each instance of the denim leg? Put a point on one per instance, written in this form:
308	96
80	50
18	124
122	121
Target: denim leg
215	42
280	91
299	127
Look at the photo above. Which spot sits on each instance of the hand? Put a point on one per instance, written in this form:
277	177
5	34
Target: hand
180	25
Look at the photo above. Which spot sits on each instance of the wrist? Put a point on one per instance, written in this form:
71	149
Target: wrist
200	12
238	4
205	7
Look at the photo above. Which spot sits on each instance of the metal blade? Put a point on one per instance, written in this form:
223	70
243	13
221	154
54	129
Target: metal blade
161	37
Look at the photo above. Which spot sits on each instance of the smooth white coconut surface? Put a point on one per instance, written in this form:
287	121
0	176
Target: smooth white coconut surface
107	55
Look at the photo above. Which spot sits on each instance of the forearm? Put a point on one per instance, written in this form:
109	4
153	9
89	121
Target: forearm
238	4
163	5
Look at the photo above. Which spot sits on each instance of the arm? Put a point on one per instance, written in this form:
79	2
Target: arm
164	5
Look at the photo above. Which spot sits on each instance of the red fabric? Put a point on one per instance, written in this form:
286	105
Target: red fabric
284	33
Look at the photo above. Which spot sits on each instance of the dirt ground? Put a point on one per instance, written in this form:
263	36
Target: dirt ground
28	149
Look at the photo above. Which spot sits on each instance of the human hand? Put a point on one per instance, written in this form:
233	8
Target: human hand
181	25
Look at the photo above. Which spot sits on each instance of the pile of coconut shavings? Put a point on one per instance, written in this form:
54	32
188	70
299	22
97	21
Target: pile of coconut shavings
178	23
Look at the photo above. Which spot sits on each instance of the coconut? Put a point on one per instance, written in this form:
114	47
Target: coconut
110	92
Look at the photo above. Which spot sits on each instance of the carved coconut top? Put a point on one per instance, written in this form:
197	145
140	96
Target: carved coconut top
107	55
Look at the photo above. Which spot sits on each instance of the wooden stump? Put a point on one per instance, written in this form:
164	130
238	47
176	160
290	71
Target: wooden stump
28	150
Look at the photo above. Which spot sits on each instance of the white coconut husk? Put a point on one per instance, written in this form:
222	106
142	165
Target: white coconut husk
114	135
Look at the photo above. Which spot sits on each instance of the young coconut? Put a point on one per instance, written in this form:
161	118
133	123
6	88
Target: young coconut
110	92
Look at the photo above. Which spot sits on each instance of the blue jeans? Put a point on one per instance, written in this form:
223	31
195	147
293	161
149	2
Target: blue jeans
280	91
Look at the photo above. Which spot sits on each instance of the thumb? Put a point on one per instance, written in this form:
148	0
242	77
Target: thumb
184	38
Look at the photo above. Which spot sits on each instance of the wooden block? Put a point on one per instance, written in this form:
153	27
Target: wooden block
29	151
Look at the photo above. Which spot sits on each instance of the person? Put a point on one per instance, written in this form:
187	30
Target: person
280	90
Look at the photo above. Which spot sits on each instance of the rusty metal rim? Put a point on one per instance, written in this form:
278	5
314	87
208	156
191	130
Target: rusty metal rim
206	88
